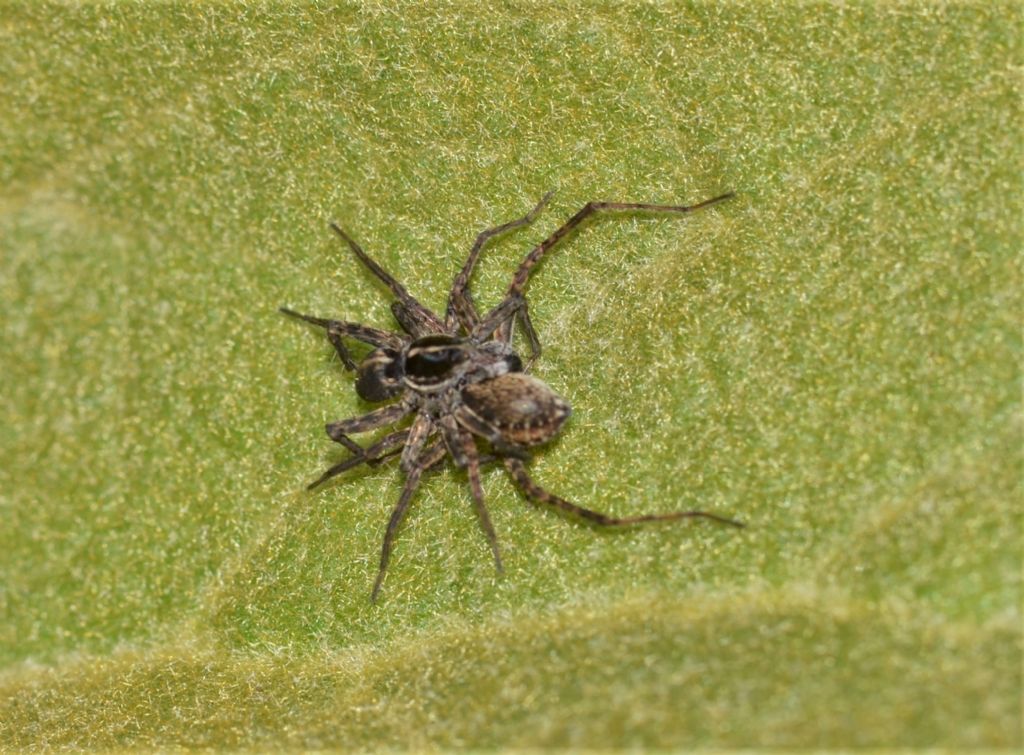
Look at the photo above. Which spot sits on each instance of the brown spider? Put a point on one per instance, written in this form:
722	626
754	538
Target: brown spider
463	381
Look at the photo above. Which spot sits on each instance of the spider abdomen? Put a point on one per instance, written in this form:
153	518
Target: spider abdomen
523	409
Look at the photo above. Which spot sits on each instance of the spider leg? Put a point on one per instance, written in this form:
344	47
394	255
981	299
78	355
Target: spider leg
414	322
491	434
499	322
531	335
416	319
380	459
461	310
419	433
430	457
522	274
336	329
371	456
473	471
386	415
498	317
463	449
537	493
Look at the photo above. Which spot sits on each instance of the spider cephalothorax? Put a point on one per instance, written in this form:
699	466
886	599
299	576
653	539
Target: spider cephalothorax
463	381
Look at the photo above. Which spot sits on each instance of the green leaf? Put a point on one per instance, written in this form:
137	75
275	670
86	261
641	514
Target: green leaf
833	357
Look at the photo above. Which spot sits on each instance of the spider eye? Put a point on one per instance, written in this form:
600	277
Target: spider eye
377	378
434	357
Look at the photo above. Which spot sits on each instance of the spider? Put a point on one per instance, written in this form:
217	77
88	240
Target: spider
461	379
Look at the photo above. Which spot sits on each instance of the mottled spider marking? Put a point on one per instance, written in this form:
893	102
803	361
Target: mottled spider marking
523	409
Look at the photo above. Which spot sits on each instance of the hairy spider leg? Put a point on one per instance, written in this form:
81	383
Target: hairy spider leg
522	274
414	318
381	458
461	310
386	415
491	434
537	493
497	317
429	458
420	431
371	456
463	449
337	329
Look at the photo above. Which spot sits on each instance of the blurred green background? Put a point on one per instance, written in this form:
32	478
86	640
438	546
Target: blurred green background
833	357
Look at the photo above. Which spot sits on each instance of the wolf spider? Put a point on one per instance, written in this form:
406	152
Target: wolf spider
462	380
